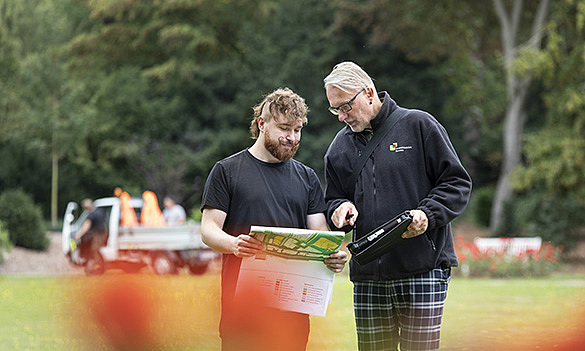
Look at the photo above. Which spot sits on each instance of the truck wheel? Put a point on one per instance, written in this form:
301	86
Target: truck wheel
163	265
198	269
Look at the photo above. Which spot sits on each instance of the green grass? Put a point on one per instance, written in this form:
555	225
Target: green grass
65	313
513	314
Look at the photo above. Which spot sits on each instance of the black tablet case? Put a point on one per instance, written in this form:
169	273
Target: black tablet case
380	240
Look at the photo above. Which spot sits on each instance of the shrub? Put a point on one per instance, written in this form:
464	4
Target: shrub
23	220
474	263
5	244
553	217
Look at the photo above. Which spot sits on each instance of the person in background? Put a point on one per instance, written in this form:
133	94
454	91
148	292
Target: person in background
399	297
173	213
263	185
91	235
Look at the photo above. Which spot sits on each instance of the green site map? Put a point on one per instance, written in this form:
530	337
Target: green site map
294	243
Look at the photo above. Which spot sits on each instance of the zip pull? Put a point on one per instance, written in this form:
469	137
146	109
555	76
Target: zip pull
431	241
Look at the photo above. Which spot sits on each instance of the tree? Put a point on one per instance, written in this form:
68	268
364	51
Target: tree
555	154
461	37
38	83
206	64
163	67
517	86
450	51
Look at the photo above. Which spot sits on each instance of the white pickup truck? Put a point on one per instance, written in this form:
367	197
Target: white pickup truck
165	249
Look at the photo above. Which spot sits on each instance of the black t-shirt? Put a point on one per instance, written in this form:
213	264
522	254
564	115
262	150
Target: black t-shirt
98	221
253	192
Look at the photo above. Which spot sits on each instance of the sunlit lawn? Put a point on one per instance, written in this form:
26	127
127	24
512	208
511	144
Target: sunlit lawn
181	313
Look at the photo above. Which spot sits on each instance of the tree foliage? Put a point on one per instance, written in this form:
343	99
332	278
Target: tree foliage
459	41
555	154
41	109
212	64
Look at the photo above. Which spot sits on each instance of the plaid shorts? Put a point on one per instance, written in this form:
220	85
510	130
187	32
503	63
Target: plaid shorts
404	311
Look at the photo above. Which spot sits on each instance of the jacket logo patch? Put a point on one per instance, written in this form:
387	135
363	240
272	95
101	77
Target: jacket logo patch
395	148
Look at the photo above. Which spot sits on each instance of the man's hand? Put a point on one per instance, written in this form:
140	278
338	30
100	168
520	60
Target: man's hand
345	214
246	246
336	261
419	224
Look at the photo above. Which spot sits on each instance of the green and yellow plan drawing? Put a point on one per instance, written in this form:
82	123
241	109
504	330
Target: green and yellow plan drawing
294	243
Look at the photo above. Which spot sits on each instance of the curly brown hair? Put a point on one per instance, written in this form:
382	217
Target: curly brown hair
282	103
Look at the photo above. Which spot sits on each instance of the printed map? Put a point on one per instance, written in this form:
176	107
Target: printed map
295	243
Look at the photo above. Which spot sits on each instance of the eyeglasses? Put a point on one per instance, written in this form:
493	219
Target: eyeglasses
344	107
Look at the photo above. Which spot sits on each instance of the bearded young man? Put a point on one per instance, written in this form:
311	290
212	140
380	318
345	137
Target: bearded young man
263	185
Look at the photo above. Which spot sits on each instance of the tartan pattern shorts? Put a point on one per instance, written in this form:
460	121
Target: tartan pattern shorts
404	311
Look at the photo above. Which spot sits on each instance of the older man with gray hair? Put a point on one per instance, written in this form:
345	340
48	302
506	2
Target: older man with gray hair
411	166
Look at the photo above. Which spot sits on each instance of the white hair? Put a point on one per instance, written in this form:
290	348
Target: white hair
348	76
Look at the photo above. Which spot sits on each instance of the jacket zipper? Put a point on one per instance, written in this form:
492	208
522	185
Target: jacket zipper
431	242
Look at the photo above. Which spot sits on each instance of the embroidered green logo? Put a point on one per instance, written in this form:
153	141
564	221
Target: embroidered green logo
395	148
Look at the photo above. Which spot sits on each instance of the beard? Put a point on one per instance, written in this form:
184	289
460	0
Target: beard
276	148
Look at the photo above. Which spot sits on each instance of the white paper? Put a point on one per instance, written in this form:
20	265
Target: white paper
290	273
303	286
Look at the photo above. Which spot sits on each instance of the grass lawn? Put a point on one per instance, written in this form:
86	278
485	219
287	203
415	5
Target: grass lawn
181	313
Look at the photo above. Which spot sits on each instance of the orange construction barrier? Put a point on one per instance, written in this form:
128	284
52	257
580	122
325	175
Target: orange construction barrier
151	215
128	218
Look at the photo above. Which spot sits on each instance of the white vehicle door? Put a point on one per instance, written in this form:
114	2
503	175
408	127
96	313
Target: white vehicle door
66	233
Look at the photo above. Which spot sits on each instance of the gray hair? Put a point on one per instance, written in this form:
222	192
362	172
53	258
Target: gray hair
348	76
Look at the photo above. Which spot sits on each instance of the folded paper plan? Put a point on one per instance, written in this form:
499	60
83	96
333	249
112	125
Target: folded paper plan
290	274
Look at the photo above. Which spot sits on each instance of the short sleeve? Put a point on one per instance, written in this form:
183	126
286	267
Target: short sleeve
316	198
216	192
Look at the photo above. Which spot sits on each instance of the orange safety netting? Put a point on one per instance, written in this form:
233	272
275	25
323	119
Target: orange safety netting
151	215
128	218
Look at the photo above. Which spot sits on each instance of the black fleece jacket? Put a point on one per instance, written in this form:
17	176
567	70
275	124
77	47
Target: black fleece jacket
414	167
